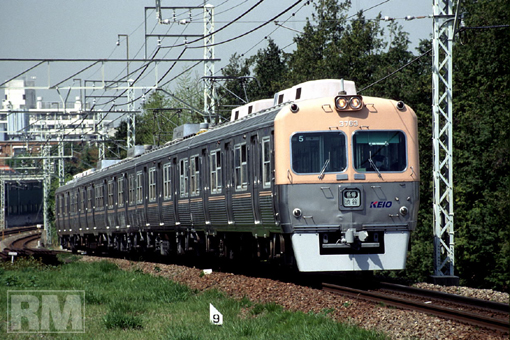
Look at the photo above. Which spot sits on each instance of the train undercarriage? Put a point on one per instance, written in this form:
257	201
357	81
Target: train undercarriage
276	248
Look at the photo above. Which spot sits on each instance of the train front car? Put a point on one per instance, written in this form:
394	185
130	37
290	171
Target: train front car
347	174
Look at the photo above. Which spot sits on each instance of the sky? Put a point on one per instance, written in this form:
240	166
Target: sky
89	29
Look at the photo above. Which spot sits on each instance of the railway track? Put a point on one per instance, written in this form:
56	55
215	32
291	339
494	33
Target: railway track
20	246
14	231
22	242
470	311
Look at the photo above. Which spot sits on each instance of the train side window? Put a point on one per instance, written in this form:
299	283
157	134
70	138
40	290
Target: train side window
167	181
376	151
266	162
139	187
183	177
194	169
216	173
99	197
131	189
120	191
241	166
110	194
152	184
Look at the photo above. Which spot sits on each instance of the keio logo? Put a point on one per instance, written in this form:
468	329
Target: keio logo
381	204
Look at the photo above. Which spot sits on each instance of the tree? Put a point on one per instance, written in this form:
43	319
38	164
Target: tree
318	50
165	110
481	155
234	91
270	71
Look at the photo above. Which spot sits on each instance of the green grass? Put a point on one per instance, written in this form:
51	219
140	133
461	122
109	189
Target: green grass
132	305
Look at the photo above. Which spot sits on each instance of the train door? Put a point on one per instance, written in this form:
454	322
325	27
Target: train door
174	196
167	203
145	195
183	205
140	207
130	221
267	194
121	201
229	179
196	189
254	166
90	213
242	191
159	191
111	211
80	211
217	195
104	203
205	180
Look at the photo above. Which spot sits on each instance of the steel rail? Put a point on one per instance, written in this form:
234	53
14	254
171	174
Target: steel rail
501	325
492	306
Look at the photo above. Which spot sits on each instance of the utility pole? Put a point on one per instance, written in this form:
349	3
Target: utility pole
208	38
100	135
131	133
131	127
2	203
442	141
61	169
47	171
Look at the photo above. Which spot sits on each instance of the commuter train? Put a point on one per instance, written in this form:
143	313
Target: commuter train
318	177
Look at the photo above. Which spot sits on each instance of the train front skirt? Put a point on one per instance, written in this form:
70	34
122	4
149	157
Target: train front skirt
309	259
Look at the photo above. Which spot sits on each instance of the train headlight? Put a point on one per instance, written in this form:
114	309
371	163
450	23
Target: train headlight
348	103
297	213
356	103
341	103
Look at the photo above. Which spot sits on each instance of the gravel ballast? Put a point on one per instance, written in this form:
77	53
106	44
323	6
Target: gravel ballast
398	324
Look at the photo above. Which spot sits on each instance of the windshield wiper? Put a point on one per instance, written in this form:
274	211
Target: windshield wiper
323	170
373	164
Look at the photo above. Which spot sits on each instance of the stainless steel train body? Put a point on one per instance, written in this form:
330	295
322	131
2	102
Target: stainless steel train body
328	182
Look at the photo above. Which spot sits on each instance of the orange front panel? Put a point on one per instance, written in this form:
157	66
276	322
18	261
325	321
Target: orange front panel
321	115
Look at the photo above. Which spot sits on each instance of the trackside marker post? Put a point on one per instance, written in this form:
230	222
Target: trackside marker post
215	316
12	254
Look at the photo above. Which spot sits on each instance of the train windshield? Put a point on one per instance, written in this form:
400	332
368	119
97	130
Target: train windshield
376	151
318	152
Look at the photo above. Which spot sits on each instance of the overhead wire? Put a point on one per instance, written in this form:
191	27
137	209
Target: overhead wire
226	41
396	71
221	28
256	28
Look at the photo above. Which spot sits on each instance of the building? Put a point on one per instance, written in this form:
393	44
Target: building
26	122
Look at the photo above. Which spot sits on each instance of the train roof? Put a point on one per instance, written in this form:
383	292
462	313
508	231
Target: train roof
246	124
